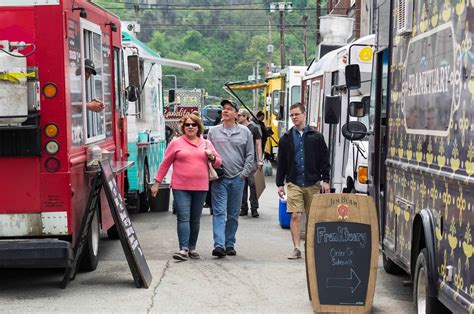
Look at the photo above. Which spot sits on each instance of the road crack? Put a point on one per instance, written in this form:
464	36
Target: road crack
155	290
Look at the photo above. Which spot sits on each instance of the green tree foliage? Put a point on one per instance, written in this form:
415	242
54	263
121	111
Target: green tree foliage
226	43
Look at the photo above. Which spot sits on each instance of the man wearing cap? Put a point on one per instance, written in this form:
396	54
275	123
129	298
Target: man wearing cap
244	119
95	104
234	143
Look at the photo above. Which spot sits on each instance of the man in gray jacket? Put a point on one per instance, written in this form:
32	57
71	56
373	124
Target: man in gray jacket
234	143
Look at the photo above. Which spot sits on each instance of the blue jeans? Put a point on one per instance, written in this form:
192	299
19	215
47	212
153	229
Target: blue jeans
188	213
226	201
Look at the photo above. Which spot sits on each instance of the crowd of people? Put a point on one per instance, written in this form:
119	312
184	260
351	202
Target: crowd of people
235	147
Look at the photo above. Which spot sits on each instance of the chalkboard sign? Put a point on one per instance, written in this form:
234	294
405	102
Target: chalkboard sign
81	240
133	252
342	253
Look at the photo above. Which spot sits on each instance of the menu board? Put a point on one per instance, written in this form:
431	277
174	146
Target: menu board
342	252
127	234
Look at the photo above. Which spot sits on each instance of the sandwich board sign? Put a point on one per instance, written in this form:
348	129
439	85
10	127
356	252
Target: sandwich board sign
128	238
105	179
342	253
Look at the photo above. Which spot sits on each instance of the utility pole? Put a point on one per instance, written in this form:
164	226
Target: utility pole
253	91
269	49
282	40
256	92
305	39
282	7
318	14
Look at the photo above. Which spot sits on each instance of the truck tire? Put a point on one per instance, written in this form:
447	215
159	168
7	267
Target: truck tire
90	255
390	267
144	204
423	302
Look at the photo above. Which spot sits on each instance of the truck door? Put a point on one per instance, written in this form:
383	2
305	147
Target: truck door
378	141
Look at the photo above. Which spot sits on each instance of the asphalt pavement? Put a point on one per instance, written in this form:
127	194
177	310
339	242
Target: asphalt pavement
259	279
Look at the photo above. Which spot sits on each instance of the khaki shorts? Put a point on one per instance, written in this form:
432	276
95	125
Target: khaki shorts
300	197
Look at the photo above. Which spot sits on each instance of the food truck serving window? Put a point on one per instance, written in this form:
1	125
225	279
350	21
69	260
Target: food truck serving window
93	88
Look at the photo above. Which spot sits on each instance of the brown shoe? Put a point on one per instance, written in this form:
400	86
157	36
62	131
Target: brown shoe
181	256
194	255
296	254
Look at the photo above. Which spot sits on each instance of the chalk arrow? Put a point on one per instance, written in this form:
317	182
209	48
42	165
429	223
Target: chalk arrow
344	283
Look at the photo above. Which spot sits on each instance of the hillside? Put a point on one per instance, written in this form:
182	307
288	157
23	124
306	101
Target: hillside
226	37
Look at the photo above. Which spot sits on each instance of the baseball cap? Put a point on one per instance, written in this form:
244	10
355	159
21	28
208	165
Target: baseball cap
88	64
233	104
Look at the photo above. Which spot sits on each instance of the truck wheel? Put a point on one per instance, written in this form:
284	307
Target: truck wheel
390	267
144	205
423	302
90	257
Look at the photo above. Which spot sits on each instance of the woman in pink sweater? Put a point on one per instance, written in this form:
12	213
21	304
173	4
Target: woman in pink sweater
189	155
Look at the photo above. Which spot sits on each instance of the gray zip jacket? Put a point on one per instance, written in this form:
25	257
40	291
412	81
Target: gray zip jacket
236	150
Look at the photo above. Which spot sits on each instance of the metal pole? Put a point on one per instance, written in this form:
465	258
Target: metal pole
318	14
282	38
256	103
253	92
305	39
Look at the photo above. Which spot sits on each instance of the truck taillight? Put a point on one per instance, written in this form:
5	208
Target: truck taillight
52	147
52	164
362	174
50	90
51	130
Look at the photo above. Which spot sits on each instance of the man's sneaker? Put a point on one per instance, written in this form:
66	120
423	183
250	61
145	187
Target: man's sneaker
230	251
296	254
255	214
219	252
243	213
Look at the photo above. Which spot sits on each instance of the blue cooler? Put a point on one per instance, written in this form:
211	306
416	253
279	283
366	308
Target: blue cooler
285	218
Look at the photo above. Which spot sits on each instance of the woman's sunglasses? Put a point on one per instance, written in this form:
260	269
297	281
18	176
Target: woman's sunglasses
190	124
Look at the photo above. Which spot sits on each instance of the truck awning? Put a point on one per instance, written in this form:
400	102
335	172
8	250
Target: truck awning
178	64
146	52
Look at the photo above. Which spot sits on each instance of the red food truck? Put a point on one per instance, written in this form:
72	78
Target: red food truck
56	56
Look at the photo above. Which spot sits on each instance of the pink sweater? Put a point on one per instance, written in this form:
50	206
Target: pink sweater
190	169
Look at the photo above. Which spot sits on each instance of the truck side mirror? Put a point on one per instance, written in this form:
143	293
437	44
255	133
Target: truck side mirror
132	93
133	70
352	73
332	109
357	109
171	96
354	131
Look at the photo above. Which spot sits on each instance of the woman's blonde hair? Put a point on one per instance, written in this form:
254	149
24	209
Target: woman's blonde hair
195	119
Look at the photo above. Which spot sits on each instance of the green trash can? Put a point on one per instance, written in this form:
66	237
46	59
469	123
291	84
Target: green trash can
161	203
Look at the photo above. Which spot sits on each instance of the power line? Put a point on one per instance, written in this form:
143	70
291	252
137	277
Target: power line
184	5
215	29
195	8
292	26
168	8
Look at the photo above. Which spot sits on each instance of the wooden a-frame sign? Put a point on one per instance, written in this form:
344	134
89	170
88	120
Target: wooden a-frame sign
342	253
128	238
